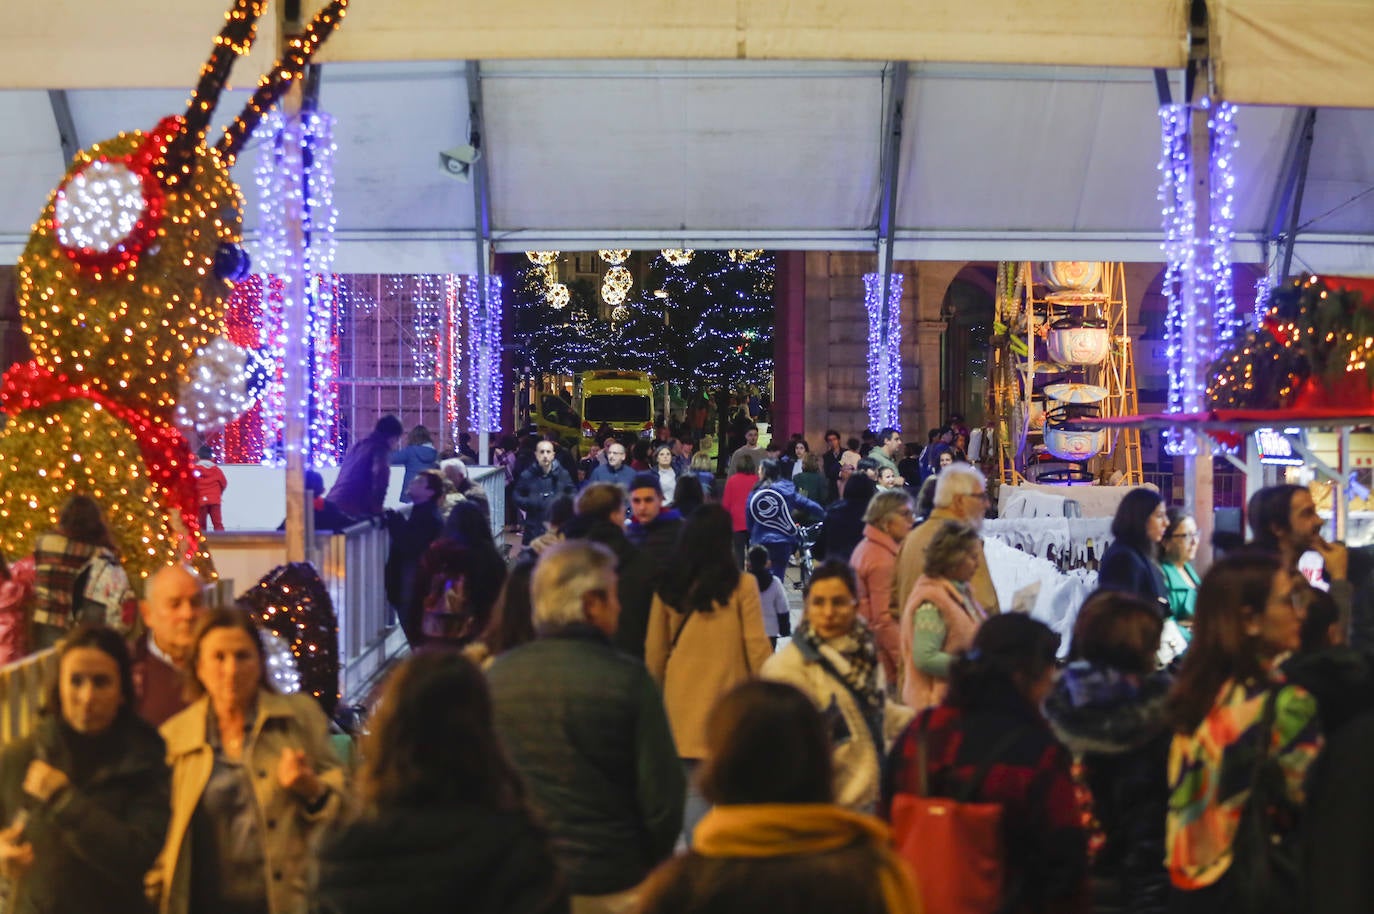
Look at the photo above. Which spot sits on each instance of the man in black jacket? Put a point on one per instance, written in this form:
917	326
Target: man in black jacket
585	727
653	528
538	486
600	507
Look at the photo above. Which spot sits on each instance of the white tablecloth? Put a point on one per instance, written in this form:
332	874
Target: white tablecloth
1097	501
1060	594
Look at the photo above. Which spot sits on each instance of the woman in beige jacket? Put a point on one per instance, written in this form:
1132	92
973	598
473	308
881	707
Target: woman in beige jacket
253	777
833	659
705	636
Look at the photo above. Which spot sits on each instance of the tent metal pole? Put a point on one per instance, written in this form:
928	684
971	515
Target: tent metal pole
487	362
894	110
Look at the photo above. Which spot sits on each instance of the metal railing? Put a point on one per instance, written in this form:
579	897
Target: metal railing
21	693
352	564
493	483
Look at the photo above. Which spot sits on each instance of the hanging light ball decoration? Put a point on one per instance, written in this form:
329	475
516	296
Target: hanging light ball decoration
557	296
615	285
745	256
678	257
614	258
218	391
620	313
542	258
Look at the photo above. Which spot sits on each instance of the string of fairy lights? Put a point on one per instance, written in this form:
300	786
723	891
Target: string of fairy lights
884	356
1202	320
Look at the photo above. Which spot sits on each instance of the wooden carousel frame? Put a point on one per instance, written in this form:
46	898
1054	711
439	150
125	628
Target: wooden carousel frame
1024	311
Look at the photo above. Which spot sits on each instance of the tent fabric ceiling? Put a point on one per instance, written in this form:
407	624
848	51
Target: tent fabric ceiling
98	44
995	162
680	143
1294	52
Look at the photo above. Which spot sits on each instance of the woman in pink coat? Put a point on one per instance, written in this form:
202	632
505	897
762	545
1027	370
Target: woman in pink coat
941	616
889	518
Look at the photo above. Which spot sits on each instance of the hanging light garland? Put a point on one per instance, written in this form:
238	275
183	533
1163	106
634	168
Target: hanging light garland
1182	288
314	132
884	397
483	354
1221	228
1198	281
450	378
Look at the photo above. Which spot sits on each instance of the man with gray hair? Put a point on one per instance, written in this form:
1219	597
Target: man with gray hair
585	727
961	493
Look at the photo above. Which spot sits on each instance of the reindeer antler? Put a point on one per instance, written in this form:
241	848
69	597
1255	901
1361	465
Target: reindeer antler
274	85
233	41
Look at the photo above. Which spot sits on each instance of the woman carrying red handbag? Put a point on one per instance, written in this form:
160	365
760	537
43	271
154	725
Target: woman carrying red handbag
983	771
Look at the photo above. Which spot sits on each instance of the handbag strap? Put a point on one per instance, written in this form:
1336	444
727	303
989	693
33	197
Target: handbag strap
1268	715
979	774
678	634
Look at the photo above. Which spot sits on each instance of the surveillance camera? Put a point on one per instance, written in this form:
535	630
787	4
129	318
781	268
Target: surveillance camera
457	162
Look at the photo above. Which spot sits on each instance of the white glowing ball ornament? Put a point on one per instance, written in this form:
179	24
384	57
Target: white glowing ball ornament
100	207
217	392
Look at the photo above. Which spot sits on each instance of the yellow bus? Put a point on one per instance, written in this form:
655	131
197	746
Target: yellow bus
623	400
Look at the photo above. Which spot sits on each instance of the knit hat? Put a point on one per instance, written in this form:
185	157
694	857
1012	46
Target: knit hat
646	481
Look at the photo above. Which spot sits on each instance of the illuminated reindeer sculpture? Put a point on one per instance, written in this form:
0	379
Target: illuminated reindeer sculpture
122	282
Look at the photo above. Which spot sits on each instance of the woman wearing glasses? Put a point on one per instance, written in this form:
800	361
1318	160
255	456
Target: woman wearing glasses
1180	546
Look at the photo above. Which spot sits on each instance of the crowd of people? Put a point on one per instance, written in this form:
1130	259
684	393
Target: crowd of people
628	715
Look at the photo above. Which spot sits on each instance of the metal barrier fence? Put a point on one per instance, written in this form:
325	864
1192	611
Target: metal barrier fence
493	483
352	564
21	693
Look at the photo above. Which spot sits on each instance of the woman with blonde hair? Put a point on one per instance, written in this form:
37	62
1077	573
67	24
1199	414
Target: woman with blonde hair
889	518
941	617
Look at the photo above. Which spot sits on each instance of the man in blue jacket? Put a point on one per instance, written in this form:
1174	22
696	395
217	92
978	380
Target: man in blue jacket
615	469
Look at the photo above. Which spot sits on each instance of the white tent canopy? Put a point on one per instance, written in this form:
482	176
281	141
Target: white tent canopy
1009	156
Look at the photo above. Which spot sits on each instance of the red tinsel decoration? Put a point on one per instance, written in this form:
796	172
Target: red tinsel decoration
166	454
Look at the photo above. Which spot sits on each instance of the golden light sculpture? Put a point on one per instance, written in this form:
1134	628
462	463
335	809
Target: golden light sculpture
123	280
745	256
557	296
542	258
614	258
616	285
678	257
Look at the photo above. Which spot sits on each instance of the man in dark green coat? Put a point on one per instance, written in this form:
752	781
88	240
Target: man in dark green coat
585	726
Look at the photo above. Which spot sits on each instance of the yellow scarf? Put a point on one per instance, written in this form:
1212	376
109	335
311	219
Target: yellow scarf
789	829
